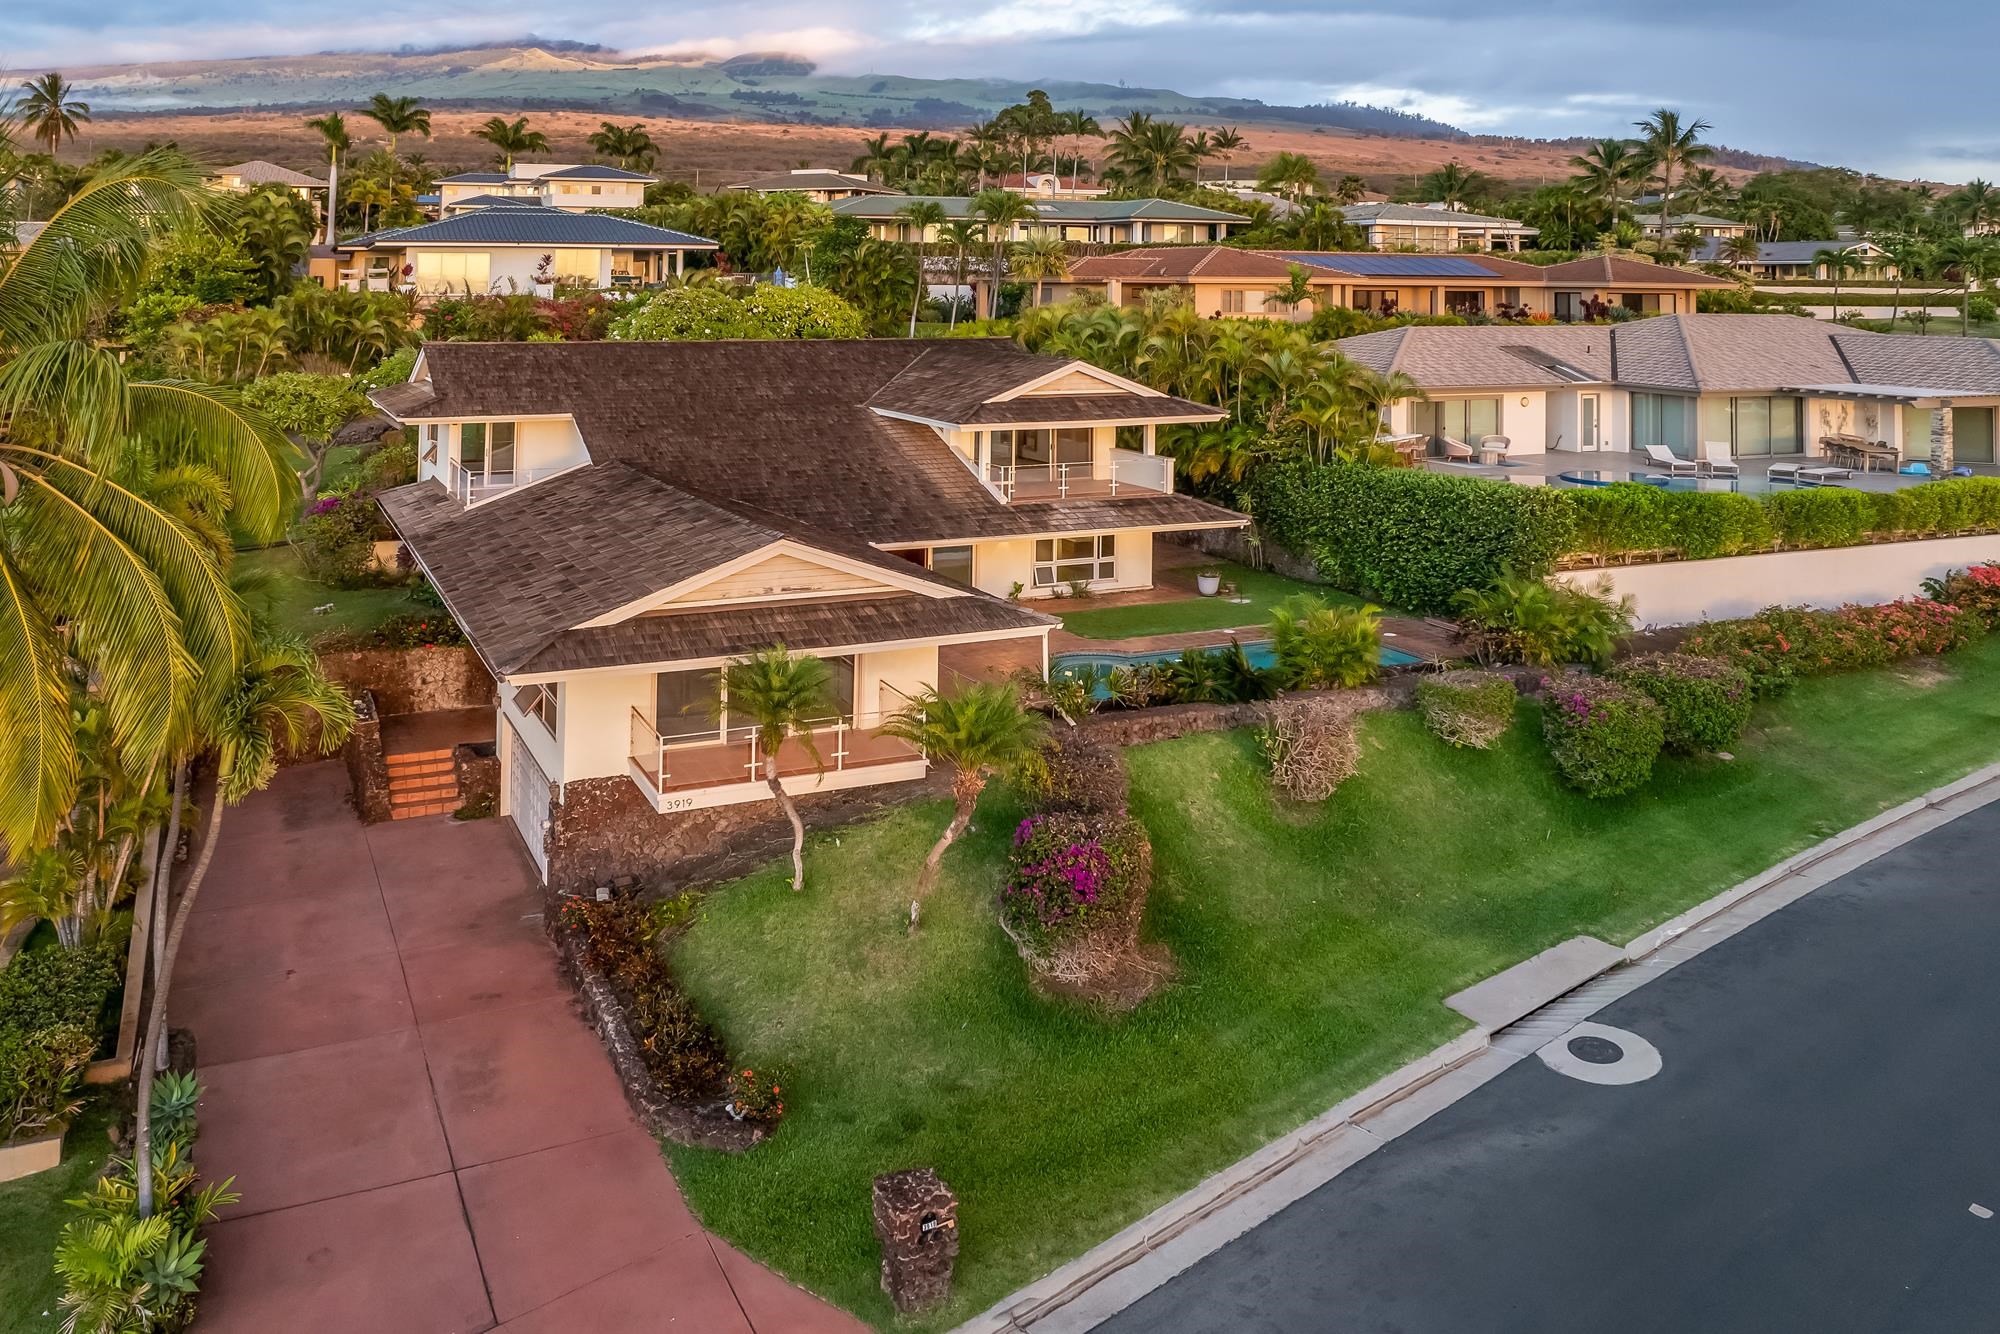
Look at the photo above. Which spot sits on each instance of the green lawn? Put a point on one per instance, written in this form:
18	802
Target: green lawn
1264	589
32	1213
288	597
1314	950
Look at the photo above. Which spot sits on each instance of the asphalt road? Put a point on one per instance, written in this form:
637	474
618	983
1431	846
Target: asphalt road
1806	1159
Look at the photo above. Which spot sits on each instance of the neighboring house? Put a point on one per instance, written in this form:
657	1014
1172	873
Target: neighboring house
1049	185
508	247
1796	259
1762	384
247	176
612	522
1433	227
1701	224
818	184
552	184
1226	281
1091	221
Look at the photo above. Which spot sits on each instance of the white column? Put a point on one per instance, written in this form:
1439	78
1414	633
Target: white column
679	255
1151	438
982	449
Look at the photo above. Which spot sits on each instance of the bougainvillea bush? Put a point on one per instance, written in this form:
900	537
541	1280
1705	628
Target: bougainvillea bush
1602	736
1781	645
1066	874
1704	702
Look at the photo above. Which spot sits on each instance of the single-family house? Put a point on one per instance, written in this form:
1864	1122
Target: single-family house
1705	225
1092	221
1778	260
819	184
559	185
515	246
1222	280
612	522
243	177
1761	384
1433	227
1050	185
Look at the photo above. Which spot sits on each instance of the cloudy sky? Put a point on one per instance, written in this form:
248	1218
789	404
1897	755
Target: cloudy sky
1824	81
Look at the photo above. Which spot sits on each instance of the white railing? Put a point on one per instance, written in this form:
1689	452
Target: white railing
473	488
853	741
1123	469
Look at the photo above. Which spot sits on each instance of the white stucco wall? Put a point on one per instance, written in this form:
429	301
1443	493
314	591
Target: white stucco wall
884	682
596	723
997	566
1682	592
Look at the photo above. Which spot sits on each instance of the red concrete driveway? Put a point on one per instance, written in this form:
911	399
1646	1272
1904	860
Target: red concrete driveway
427	1138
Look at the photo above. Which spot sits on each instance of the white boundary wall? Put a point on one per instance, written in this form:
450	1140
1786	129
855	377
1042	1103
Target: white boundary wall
1685	591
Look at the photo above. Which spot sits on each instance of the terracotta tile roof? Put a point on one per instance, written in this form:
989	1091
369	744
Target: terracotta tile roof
813	180
503	225
1184	263
724	632
1617	270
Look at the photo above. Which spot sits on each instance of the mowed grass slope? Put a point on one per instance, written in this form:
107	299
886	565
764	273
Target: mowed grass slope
1314	950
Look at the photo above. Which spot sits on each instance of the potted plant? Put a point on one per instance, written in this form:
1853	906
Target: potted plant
1208	581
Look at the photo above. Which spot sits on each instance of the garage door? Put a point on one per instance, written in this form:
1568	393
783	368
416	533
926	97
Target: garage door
528	798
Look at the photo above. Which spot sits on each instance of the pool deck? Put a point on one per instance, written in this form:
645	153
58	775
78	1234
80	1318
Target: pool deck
1543	470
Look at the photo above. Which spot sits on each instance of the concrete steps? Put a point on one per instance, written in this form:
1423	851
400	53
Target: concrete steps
422	782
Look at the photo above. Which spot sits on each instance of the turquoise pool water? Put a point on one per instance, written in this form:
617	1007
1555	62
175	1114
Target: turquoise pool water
1261	656
1749	486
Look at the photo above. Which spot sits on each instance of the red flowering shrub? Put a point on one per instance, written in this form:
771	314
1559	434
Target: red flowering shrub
1602	736
1066	873
1781	645
755	1098
1975	589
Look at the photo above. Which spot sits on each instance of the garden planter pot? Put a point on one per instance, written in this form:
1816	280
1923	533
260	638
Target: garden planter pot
25	1157
1208	585
545	289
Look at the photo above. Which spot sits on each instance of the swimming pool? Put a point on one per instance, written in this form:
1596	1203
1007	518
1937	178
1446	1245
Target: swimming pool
1260	653
1749	486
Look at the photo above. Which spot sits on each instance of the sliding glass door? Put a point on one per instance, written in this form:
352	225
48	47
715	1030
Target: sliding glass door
1463	419
691	707
1767	426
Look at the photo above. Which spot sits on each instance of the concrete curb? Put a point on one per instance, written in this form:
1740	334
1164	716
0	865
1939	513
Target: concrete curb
1118	1271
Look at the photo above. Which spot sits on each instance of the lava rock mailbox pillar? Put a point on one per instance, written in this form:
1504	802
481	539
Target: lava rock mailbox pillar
916	1220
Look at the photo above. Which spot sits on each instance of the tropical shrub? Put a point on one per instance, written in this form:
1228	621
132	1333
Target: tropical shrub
754	1097
392	369
126	1275
1975	589
1820	517
618	940
40	1073
1541	624
1467	708
335	538
1782	645
1320	646
1075	774
1409	538
1602	736
1066	873
1704	702
1629	517
710	311
45	987
1312	746
1217	676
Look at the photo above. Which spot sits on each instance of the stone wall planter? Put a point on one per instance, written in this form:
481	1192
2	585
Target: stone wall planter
25	1157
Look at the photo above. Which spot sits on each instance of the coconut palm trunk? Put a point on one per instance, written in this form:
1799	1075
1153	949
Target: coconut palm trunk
966	785
791	810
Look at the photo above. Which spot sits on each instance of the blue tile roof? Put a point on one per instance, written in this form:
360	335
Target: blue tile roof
505	226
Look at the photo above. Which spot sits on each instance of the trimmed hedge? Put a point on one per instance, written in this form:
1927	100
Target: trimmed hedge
1410	538
1704	702
1602	736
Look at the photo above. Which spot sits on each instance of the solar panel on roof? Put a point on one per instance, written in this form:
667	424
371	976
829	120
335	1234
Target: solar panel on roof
1401	266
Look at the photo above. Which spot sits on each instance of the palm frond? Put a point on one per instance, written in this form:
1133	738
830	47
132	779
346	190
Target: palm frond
38	759
229	437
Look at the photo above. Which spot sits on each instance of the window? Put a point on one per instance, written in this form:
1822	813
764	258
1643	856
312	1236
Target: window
576	266
1569	306
1375	300
1062	560
1232	300
953	563
541	703
1663	419
686	705
1464	302
453	270
1039	448
1463	419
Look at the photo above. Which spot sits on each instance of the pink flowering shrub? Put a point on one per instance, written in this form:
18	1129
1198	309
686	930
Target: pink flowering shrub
1782	645
1065	873
1975	589
1603	736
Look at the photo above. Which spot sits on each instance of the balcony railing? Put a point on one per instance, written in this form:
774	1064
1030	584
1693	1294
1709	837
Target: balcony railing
1121	471
678	764
473	488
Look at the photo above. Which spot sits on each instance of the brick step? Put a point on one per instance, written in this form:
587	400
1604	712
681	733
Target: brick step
426	763
444	754
427	808
416	800
422	791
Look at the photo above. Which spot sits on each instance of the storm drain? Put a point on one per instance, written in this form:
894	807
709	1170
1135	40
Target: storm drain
1601	1054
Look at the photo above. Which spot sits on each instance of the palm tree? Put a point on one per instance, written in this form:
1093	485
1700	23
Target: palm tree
978	732
877	159
1452	184
784	695
49	111
398	116
1040	258
1297	288
1907	254
1974	258
1318	226
1977	204
920	217
1704	190
1078	126
627	145
1225	143
1605	170
275	701
1838	261
1744	249
1293	175
511	137
1151	155
332	130
961	235
999	211
1667	146
93	576
276	238
1351	189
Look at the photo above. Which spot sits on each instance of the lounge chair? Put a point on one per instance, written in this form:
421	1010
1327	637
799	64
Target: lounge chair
1493	448
1456	449
1824	476
1715	460
1676	466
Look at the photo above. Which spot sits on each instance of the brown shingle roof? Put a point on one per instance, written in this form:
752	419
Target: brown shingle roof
1968	365
1185	263
410	399
724	632
1495	356
1617	271
1089	407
